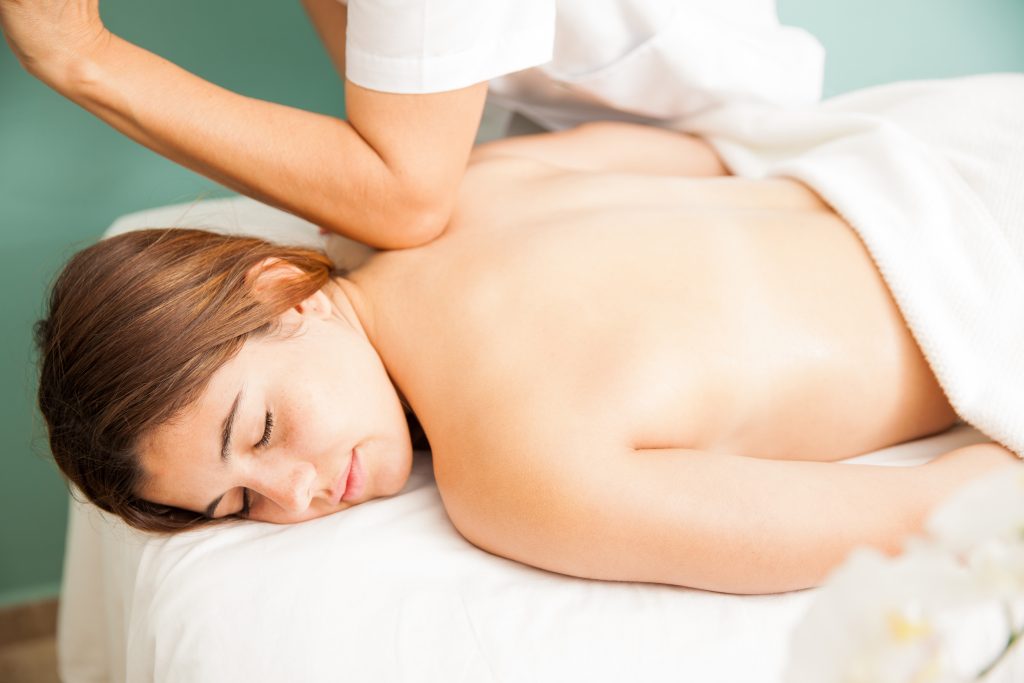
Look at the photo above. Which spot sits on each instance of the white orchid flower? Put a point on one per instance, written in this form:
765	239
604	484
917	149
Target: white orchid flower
983	524
947	610
990	507
915	618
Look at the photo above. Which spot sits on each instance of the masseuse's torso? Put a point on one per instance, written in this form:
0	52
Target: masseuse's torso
568	310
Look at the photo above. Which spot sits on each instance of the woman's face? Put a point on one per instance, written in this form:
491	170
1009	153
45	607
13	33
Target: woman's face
297	425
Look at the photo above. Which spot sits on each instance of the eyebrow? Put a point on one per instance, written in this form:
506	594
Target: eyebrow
225	447
225	434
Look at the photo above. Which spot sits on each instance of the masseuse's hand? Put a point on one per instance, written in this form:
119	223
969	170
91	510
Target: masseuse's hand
48	36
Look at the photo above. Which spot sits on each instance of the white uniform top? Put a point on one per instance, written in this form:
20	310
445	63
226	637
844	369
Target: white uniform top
561	62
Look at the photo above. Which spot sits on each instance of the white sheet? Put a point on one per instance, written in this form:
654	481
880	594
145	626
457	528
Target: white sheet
389	591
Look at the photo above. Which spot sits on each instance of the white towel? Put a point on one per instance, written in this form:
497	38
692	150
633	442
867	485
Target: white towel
931	176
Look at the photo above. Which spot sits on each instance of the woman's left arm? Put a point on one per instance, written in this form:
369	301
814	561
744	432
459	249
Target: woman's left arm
711	521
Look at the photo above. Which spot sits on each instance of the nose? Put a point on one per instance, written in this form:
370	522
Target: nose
289	484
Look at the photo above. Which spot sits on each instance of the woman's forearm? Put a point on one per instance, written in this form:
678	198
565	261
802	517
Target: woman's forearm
687	517
954	469
312	165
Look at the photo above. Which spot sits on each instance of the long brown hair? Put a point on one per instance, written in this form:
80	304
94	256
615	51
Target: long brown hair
136	326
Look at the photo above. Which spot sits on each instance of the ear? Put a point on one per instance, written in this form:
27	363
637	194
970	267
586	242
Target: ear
271	273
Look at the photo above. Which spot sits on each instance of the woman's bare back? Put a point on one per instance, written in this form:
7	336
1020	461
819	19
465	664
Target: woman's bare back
631	376
718	313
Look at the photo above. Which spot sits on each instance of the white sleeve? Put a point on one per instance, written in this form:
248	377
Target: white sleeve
422	46
675	56
662	61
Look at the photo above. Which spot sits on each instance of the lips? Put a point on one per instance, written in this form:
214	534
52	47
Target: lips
356	478
338	490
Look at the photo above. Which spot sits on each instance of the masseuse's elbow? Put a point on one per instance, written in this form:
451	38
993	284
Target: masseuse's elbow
412	219
394	228
423	224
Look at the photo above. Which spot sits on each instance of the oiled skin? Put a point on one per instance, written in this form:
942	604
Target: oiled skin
652	311
631	366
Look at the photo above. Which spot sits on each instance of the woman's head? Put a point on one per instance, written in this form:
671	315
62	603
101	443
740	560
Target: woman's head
182	367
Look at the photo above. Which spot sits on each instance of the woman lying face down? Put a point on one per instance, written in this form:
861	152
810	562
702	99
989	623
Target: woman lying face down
629	367
204	398
307	420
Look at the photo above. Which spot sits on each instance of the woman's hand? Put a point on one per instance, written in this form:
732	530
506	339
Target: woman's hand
48	36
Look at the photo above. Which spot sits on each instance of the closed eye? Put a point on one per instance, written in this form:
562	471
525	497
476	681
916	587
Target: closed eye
268	428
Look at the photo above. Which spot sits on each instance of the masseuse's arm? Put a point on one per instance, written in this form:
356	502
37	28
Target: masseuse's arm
712	521
387	177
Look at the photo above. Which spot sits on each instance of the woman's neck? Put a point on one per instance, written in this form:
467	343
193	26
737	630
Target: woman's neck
353	305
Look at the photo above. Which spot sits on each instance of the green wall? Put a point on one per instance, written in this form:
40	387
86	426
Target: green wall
64	176
879	41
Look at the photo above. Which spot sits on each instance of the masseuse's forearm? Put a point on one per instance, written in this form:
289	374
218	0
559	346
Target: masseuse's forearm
312	165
